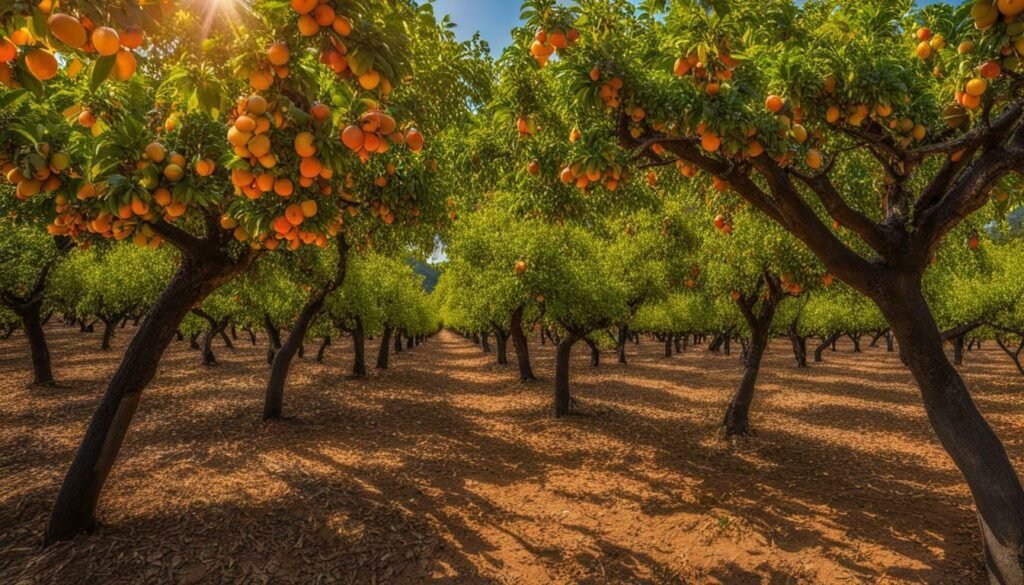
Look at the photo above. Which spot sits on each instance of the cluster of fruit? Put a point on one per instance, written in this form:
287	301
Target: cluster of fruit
37	172
610	88
317	16
375	133
69	33
546	43
707	77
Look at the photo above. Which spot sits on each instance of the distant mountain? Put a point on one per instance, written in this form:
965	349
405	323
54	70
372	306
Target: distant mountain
428	272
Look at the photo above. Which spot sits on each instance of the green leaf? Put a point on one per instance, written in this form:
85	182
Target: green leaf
101	71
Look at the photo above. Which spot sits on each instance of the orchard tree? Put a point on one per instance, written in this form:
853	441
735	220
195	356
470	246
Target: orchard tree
113	282
28	256
773	99
227	130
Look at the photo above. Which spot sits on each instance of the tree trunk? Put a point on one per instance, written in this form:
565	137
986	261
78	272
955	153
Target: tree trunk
889	346
485	341
359	343
385	347
208	358
108	333
799	346
323	349
398	340
42	371
563	355
958	350
668	345
962	430
409	343
595	353
521	345
737	417
620	347
502	342
273	338
274	399
825	343
74	510
855	338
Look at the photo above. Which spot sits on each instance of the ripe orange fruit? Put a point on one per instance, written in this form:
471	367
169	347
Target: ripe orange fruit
41	64
174	173
261	80
520	266
293	213
320	112
265	182
245	124
8	51
814	159
304	6
923	50
155	152
259	145
309	208
278	54
369	80
976	87
205	167
256	105
342	26
681	67
124	65
414	140
310	168
710	142
990	69
87	119
283	187
324	15
106	41
308	26
774	104
132	38
304	145
68	30
161	196
353	138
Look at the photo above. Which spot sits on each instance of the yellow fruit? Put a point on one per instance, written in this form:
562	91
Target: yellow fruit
977	87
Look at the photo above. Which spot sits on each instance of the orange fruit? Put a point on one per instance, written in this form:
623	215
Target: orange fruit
87	119
308	26
304	145
265	182
68	30
283	187
369	80
124	65
278	54
293	213
41	64
161	196
352	137
155	152
342	26
8	51
310	167
324	15
106	41
320	112
976	87
309	208
710	142
259	145
256	105
774	104
414	140
245	124
205	167
304	6
131	38
261	80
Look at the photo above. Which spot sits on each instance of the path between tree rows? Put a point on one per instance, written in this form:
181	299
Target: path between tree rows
444	469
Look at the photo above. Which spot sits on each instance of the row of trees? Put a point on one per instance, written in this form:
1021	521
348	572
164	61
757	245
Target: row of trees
731	162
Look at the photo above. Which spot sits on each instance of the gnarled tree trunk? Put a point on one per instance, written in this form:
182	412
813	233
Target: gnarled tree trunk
737	417
962	430
274	400
197	276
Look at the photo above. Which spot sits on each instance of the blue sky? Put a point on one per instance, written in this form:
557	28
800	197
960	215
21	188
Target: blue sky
493	18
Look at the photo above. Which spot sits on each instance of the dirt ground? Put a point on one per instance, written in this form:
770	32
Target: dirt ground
445	470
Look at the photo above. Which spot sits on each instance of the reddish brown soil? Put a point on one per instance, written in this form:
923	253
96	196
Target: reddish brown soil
445	470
